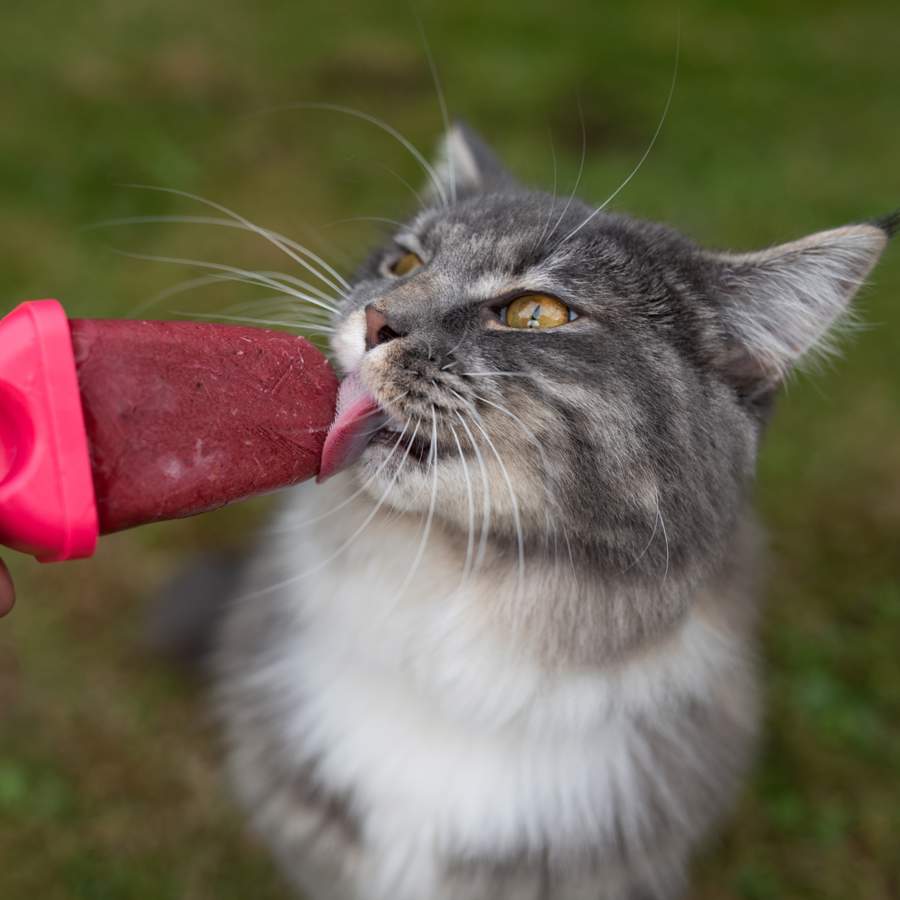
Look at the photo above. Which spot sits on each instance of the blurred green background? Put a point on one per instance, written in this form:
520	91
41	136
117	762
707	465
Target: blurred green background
786	119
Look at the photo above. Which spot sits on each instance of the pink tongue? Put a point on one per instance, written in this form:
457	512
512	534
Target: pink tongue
358	418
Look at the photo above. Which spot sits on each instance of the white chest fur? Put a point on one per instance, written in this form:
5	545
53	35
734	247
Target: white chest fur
451	741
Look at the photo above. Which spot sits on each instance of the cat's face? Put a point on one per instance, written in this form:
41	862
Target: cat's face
594	386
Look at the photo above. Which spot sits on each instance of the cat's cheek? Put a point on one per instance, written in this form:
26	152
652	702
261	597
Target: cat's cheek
349	341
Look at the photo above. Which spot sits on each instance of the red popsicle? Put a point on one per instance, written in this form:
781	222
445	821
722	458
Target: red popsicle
179	418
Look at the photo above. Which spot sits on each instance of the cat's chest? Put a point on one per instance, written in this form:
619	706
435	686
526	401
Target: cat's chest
439	732
419	773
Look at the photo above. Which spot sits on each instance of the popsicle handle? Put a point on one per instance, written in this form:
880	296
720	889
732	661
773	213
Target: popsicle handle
47	504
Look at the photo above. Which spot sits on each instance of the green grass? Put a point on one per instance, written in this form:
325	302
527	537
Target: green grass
786	119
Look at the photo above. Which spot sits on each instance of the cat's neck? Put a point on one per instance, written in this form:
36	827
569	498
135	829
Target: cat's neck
383	571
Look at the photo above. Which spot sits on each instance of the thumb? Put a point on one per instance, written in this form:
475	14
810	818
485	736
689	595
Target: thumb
7	590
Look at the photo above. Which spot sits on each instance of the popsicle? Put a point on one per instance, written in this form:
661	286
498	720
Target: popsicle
108	424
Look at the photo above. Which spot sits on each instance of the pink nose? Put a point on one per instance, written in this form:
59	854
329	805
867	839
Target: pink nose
378	331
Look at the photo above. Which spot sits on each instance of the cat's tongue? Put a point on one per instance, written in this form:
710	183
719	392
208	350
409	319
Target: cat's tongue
357	419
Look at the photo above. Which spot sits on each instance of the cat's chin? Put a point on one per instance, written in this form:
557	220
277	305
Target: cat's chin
397	472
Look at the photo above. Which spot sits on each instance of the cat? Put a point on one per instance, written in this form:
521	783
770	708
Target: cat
507	651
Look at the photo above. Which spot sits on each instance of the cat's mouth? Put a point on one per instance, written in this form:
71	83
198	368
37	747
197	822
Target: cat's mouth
359	422
407	444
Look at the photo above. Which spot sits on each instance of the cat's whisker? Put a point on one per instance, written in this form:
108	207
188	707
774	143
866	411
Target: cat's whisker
520	541
486	498
388	129
456	346
394	174
304	286
392	222
540	240
442	100
647	152
327	301
278	305
470	532
207	280
569	546
534	440
489	374
433	467
640	555
275	305
319	299
662	523
577	184
289	247
246	276
322	563
182	288
251	320
209	220
275	302
530	435
293	526
312	293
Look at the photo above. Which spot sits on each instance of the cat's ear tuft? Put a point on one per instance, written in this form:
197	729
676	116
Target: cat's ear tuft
889	224
467	165
780	305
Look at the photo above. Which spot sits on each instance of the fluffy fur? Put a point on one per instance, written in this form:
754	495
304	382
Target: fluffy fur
510	654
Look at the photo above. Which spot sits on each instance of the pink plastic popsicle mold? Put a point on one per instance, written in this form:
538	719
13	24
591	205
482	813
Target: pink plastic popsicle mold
47	505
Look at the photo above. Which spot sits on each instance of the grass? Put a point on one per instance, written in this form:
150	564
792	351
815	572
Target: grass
785	119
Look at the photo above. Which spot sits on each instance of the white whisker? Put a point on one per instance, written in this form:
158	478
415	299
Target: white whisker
388	129
250	320
293	526
182	288
662	523
647	152
562	215
640	555
534	440
207	280
540	240
213	220
442	101
392	222
244	275
486	499
470	540
287	248
303	287
418	196
420	551
322	563
272	305
520	542
488	374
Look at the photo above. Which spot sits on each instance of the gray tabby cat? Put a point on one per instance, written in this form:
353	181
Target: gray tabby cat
507	653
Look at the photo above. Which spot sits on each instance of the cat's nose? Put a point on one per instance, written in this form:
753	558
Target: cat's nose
378	329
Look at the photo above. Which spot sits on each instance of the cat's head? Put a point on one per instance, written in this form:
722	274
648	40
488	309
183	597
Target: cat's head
584	383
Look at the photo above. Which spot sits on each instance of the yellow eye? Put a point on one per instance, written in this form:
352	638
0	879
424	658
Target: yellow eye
537	311
407	263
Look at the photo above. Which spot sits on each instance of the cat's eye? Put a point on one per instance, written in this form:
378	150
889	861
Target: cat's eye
405	264
536	311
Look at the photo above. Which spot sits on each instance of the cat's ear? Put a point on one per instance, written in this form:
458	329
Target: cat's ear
466	165
779	305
